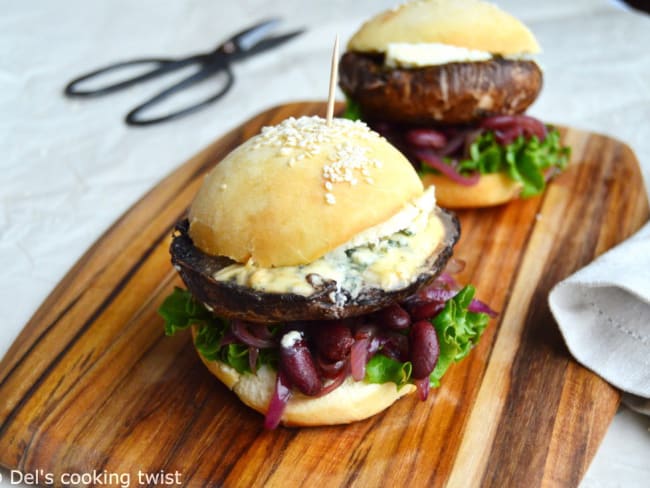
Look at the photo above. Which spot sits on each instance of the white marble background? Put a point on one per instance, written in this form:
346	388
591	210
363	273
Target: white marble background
70	168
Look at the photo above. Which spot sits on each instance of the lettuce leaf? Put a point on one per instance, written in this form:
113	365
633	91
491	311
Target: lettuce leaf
458	331
180	310
524	160
352	110
382	369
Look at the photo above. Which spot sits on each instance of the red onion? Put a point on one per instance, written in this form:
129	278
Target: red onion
365	331
508	136
328	369
261	330
432	294
454	143
279	398
454	265
444	279
434	161
426	138
509	125
423	388
395	346
228	338
359	358
499	122
253	353
240	329
481	307
334	384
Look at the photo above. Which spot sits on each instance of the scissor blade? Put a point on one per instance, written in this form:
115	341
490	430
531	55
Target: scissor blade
272	42
248	38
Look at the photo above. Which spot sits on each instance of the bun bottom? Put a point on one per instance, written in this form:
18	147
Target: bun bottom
491	189
352	401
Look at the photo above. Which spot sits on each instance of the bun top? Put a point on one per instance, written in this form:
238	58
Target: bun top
294	192
472	24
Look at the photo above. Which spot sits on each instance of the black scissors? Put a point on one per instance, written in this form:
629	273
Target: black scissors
249	42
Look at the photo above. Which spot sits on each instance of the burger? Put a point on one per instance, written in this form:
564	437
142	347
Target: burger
448	82
318	276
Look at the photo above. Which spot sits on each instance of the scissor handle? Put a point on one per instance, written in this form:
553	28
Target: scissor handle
160	67
133	117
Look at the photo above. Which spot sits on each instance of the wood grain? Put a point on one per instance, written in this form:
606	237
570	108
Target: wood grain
92	384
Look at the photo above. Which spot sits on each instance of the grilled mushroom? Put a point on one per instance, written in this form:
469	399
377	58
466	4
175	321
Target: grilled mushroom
228	299
453	93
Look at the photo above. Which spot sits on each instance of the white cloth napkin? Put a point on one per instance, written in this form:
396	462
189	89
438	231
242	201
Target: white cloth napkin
603	312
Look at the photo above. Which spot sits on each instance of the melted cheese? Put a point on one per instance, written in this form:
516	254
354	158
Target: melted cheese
390	263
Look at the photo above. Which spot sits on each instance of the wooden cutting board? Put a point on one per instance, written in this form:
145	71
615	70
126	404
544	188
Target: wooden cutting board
92	385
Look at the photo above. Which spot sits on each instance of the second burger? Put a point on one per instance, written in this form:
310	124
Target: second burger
448	83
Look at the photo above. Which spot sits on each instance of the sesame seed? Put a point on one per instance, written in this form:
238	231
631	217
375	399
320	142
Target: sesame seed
306	137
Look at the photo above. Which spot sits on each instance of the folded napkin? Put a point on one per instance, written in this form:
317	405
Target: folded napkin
603	312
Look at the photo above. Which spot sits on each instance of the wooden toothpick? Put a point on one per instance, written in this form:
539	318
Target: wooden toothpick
333	78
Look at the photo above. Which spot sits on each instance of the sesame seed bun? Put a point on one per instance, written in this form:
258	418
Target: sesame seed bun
351	401
298	190
492	189
473	24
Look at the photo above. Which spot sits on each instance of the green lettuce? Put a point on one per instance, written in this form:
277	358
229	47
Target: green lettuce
524	160
180	310
382	369
458	330
352	110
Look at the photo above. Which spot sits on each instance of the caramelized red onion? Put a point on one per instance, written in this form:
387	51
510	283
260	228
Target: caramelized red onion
430	146
323	354
334	383
279	399
423	385
330	370
508	127
481	307
431	159
359	358
253	354
250	334
426	138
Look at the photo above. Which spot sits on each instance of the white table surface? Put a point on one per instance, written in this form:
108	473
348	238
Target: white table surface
70	168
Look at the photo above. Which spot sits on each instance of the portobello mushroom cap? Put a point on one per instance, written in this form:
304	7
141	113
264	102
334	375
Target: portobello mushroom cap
230	300
452	93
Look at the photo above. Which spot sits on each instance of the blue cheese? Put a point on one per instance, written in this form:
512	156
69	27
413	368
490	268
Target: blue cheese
389	257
